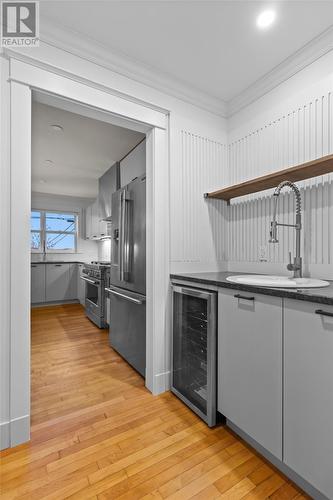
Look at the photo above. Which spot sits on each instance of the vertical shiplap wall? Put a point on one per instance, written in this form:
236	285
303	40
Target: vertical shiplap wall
198	226
300	135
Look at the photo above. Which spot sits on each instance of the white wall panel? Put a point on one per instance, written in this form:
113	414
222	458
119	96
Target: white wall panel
198	226
300	135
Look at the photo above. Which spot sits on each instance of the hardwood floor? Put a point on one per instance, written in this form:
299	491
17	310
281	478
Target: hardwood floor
97	433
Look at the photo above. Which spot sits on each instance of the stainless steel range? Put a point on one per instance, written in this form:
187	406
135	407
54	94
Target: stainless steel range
95	277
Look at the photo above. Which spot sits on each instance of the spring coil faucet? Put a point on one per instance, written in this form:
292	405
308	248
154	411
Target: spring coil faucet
296	267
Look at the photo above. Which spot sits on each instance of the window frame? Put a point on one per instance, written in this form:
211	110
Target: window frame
43	232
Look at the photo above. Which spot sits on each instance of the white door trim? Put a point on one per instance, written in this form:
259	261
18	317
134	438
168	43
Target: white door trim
25	78
84	93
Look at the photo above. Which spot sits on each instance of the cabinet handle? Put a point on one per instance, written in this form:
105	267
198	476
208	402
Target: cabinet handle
58	265
238	296
33	265
324	313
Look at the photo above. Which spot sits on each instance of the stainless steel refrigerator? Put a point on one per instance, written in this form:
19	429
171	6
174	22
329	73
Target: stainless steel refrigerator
128	273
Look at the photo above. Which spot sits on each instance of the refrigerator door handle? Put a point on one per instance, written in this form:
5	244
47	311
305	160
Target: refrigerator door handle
121	236
126	236
123	296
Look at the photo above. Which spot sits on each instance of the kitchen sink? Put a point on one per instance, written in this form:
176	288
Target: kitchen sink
277	281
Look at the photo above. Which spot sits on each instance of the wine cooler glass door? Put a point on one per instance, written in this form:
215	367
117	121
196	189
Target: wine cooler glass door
194	350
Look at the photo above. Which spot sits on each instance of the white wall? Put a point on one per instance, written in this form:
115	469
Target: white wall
5	259
290	125
206	136
86	250
205	133
104	250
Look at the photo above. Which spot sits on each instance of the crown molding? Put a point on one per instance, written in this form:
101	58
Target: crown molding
305	56
91	50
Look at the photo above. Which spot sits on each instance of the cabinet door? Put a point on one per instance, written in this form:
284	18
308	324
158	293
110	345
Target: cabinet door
72	282
308	404
81	287
250	365
88	222
57	282
94	220
108	183
37	283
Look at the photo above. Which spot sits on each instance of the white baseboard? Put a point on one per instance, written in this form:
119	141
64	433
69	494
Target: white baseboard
14	432
162	383
4	435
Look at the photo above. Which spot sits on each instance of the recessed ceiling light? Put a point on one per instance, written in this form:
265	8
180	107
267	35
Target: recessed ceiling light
48	163
57	128
266	19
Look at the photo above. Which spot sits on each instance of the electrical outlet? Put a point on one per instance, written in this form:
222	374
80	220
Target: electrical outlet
263	253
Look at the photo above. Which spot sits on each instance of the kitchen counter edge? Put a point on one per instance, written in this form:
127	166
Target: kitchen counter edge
218	279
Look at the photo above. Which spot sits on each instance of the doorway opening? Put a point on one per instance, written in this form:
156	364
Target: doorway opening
24	82
88	257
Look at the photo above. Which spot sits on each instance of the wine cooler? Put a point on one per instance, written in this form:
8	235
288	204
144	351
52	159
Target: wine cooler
194	350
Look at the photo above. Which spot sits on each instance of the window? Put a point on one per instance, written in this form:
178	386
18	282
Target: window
53	231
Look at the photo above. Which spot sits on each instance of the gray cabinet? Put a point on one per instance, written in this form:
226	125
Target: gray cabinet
57	282
81	288
88	228
107	184
308	389
72	282
37	283
134	164
250	365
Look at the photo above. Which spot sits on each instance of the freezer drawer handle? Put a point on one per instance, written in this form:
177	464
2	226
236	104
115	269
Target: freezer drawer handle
324	313
131	299
244	297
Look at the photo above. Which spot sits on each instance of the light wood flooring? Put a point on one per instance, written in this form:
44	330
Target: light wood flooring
97	433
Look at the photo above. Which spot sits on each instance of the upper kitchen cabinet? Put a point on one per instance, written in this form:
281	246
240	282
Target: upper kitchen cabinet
95	219
250	365
308	392
107	184
134	164
88	228
92	221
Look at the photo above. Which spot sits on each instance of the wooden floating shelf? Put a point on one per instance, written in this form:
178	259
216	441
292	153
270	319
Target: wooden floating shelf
313	168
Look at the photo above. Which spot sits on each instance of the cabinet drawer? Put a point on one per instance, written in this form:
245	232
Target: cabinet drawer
308	400
250	365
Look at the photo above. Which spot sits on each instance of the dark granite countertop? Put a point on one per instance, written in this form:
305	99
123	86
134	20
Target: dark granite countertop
319	295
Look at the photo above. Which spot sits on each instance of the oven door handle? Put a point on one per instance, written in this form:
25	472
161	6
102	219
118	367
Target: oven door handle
123	296
89	281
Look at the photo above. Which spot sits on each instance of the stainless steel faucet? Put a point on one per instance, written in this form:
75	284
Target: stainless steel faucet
297	265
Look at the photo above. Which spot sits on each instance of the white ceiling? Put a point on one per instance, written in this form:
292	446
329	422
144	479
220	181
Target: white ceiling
211	46
80	154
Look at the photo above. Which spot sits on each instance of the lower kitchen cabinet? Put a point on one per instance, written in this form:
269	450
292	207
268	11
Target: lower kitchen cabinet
72	282
81	286
37	283
308	392
57	280
250	365
61	282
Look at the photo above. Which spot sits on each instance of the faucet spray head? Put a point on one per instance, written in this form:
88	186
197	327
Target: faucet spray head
273	233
